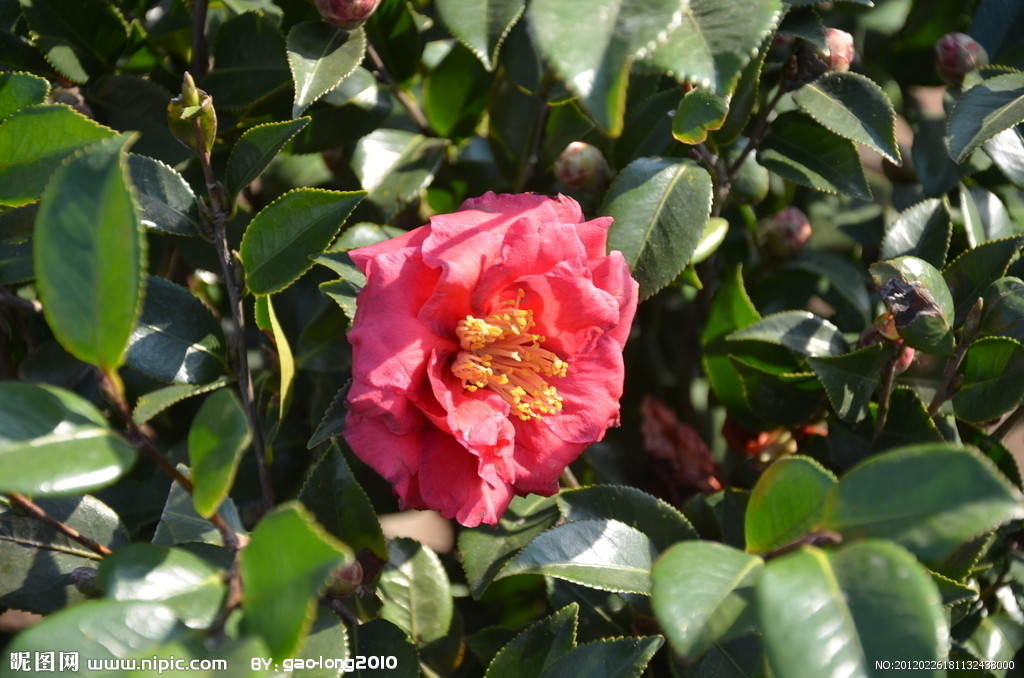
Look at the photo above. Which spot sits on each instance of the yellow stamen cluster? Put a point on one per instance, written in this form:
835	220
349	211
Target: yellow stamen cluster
500	353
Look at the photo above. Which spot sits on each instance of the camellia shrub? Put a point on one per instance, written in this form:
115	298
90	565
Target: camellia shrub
698	324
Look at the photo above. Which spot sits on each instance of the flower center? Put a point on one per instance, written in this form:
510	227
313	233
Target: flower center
500	353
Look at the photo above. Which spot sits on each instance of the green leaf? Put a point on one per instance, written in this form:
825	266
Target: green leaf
54	442
334	497
415	591
985	216
251	62
702	590
873	598
284	567
87	208
179	522
659	520
851	379
381	638
38	560
985	110
320	57
1007	151
970	274
155	402
537	647
189	585
885	497
601	554
455	94
131	103
786	503
920	301
285	359
922	230
781	399
714	235
281	240
481	26
801	150
256	150
992	369
166	202
16	263
618	658
593	56
485	550
18	90
700	112
327	638
660	207
33	143
80	40
908	422
395	165
853	107
715	40
177	339
1003	313
218	436
17	224
394	32
800	331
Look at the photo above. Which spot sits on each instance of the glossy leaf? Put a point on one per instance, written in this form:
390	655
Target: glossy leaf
155	402
908	422
395	165
919	300
284	567
282	238
381	638
1003	311
320	57
851	379
985	216
985	110
251	62
617	658
180	524
54	442
786	503
216	440
19	90
334	497
700	111
800	331
257	149
702	590
801	150
166	202
538	646
80	40
970	274
786	399
922	231
415	591
33	143
660	207
657	519
176	340
990	369
455	94
853	107
1007	151
481	26
883	497
601	554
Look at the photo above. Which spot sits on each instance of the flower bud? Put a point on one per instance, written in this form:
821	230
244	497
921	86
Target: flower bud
582	167
346	580
956	55
85	579
786	233
840	49
193	104
346	14
905	358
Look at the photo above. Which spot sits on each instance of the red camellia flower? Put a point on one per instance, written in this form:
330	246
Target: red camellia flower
487	352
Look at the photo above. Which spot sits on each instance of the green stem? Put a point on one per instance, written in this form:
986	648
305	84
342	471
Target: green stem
885	396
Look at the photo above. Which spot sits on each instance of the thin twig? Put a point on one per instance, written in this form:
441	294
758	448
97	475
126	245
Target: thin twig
403	98
35	512
200	52
885	395
760	125
943	392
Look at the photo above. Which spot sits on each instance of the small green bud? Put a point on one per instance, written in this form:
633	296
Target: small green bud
182	112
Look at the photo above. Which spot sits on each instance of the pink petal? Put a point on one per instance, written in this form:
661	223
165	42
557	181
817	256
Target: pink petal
450	482
411	238
611	274
395	457
590	393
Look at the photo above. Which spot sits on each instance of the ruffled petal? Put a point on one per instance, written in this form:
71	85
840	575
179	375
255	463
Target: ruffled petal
561	209
611	274
396	457
412	239
541	456
451	483
590	393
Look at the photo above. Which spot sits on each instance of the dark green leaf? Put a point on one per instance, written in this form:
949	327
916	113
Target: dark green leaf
970	274
332	424
618	658
179	522
284	567
34	141
908	422
53	441
787	502
786	399
481	26
601	554
800	331
320	57
919	300
381	638
455	93
853	107
394	166
1003	313
177	339
660	207
801	150
79	40
333	495
922	231
251	62
657	519
885	497
985	110
992	370
415	591
166	202
155	402
985	216
130	103
394	33
256	150
1007	151
17	224
538	647
851	379
38	560
216	440
701	591
281	240
700	111
18	90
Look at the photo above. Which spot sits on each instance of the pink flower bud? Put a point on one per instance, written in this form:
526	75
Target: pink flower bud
956	55
840	49
346	14
582	167
786	233
905	359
